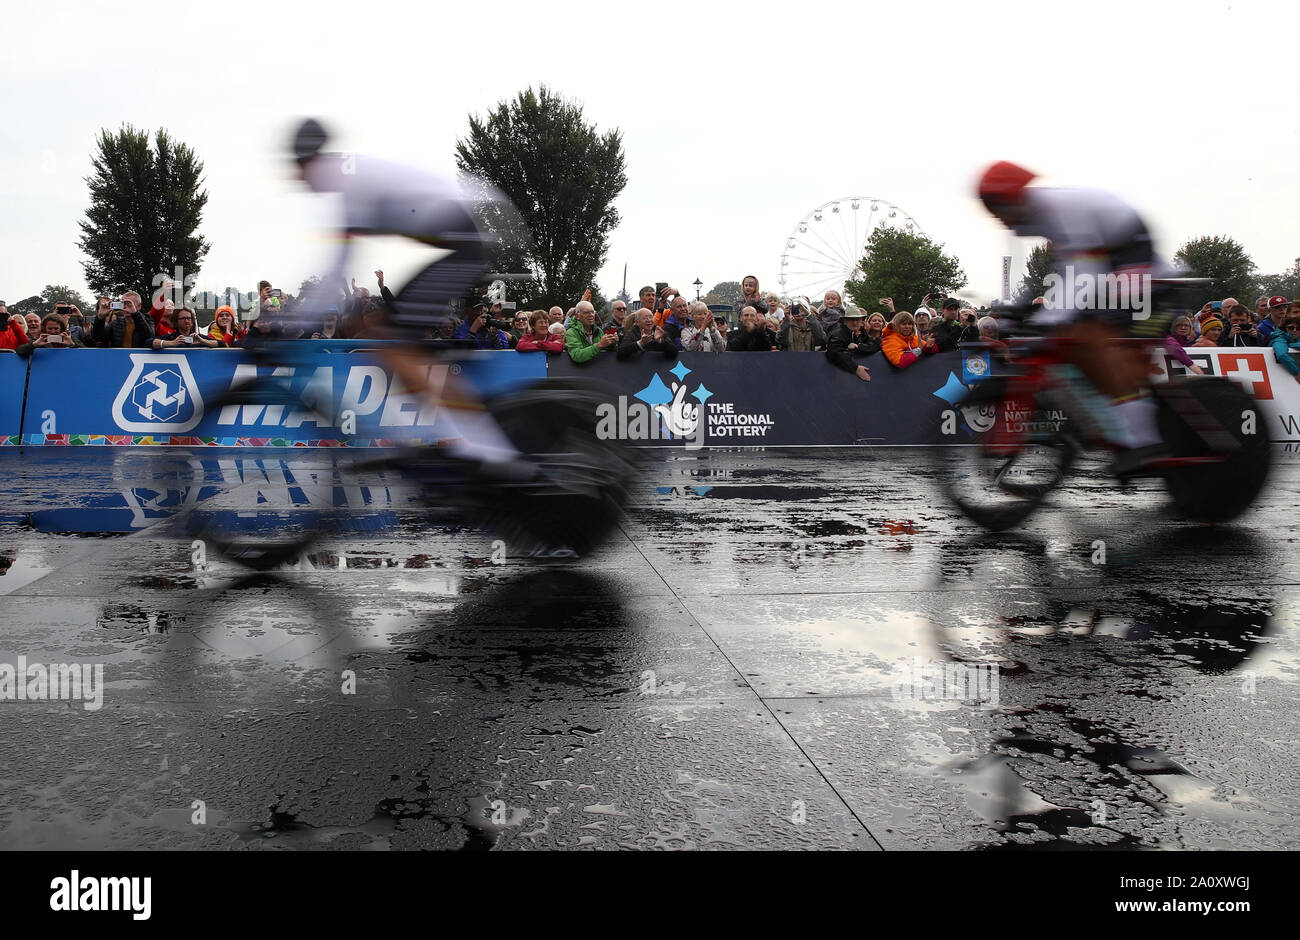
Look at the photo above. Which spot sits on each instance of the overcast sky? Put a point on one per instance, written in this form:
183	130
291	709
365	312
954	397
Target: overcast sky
737	119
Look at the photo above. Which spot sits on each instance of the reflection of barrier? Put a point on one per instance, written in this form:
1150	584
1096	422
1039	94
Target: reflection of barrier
129	396
13	378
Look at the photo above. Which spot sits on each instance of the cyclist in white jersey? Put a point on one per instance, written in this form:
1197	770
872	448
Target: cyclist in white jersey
384	198
1104	259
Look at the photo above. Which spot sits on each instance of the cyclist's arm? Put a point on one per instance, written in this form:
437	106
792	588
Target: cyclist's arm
314	304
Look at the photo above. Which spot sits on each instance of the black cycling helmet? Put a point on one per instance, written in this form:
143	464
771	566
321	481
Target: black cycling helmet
308	140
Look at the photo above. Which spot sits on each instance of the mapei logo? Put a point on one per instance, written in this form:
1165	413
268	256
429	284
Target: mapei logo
160	396
662	412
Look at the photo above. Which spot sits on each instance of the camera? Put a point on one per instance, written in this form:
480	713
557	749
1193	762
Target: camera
116	305
499	324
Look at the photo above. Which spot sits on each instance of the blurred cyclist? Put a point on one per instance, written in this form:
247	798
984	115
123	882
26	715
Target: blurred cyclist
1094	235
383	198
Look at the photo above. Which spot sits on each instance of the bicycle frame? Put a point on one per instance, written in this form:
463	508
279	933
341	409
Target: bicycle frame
1026	389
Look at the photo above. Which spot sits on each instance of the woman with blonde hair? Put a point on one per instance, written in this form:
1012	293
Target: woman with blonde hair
900	342
750	297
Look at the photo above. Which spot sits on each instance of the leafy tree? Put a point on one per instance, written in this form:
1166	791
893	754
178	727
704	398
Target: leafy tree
562	176
1226	262
1287	283
42	303
724	292
34	304
1037	266
145	211
62	294
905	266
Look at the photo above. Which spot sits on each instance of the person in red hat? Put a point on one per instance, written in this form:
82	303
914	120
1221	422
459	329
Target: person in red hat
1275	312
1095	237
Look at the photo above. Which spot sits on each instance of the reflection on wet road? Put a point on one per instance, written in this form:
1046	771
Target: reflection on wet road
779	650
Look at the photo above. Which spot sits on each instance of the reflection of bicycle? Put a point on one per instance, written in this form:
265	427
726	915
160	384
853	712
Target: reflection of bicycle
566	509
1092	745
1026	432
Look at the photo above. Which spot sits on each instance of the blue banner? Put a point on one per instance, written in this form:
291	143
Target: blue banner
129	396
13	376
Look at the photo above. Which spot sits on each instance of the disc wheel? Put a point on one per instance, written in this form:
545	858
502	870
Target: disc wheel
1213	492
585	481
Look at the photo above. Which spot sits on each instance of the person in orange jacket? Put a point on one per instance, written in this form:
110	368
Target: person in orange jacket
901	344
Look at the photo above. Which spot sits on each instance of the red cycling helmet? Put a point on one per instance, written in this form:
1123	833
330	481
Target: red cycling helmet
1004	182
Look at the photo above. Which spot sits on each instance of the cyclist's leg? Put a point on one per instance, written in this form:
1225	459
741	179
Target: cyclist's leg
1118	371
426	298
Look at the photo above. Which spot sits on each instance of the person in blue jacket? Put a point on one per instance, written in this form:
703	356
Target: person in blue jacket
1285	342
477	328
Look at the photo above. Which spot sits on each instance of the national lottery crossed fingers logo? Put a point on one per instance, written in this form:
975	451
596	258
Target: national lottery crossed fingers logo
674	411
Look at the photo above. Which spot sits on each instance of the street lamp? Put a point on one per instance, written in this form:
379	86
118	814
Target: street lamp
698	285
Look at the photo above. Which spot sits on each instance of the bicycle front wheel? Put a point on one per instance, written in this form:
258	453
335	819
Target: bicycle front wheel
1000	454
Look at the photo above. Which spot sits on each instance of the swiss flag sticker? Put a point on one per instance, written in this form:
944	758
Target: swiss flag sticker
1249	370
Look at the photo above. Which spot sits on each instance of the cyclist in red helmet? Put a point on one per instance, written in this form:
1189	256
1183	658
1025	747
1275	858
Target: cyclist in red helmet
1103	261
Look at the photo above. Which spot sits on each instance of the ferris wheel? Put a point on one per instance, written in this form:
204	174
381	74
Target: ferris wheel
826	247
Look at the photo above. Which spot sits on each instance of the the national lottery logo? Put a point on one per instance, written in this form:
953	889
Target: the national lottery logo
663	411
159	396
678	409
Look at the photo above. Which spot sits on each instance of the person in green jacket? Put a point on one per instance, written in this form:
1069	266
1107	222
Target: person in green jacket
583	342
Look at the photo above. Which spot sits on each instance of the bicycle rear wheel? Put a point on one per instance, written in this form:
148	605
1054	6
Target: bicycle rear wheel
1004	455
585	480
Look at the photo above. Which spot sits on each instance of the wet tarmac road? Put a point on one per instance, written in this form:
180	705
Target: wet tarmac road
780	650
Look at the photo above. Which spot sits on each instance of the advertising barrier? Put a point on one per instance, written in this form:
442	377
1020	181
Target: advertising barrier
142	397
13	377
130	396
1256	370
775	399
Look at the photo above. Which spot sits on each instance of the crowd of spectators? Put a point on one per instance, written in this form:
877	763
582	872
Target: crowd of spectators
662	323
1274	322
